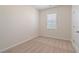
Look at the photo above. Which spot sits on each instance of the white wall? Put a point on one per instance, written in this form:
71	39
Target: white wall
63	30
17	23
75	27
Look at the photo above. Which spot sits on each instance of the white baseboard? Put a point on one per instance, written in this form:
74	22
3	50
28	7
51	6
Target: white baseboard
55	37
32	37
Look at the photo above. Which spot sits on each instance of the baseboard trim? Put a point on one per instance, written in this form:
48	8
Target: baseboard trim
32	37
54	37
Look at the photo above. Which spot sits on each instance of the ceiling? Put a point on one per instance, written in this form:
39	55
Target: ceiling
41	7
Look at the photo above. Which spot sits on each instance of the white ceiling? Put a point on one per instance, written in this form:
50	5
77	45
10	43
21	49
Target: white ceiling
41	7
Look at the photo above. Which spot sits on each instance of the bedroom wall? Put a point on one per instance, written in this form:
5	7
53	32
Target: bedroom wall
75	27
17	23
63	31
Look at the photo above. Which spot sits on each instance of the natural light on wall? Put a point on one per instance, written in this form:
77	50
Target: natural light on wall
51	21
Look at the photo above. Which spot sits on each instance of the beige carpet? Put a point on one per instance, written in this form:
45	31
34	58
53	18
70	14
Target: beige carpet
43	45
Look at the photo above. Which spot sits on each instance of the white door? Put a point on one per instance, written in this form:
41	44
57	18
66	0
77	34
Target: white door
75	26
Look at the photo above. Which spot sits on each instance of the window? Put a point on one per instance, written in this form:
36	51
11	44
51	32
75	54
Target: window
51	21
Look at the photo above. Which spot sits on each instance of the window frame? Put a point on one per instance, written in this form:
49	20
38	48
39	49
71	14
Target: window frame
54	26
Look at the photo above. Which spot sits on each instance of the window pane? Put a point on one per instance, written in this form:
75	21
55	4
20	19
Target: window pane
51	21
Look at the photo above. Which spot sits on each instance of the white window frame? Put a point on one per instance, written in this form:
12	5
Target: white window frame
53	21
